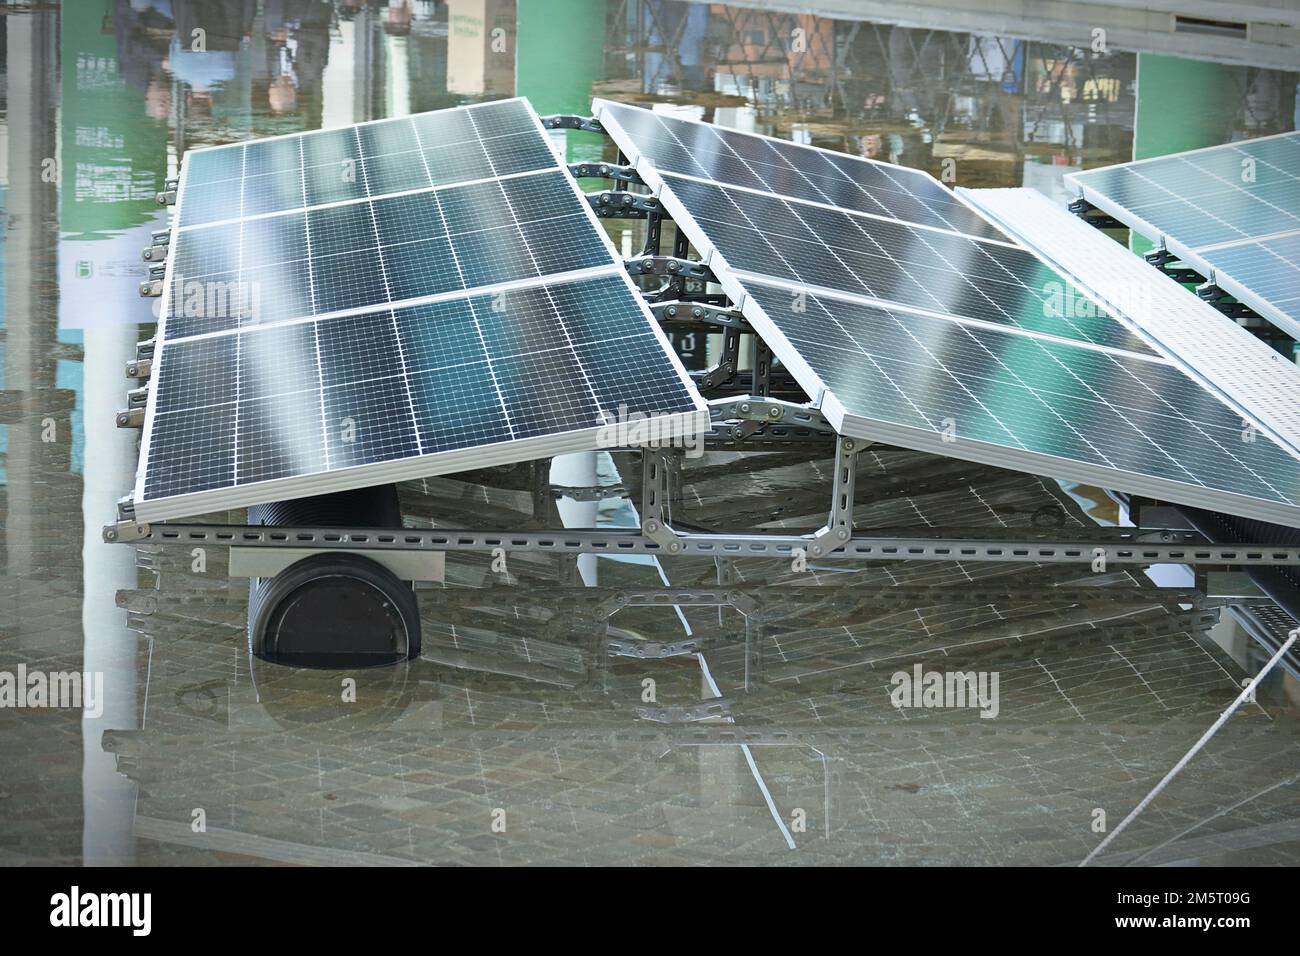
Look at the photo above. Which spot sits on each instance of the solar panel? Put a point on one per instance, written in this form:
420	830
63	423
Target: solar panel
1231	212
481	317
963	344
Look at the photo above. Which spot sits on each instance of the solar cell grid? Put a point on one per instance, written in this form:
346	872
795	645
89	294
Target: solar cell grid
1090	409
894	261
1270	268
1254	378
382	251
410	153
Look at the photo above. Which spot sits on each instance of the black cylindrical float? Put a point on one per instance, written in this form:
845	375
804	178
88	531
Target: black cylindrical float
333	609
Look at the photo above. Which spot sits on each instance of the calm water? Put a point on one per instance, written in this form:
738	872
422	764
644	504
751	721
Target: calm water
527	709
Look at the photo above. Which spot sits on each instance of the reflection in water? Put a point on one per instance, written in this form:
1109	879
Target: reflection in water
531	697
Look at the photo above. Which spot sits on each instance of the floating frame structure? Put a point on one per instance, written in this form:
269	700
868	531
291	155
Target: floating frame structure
762	412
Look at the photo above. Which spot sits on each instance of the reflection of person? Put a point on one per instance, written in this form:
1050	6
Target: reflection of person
894	147
158	98
142	29
205	59
889	148
297	33
282	95
398	20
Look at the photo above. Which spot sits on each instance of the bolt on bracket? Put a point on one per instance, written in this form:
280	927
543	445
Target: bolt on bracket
620	204
620	174
139	369
672	266
587	124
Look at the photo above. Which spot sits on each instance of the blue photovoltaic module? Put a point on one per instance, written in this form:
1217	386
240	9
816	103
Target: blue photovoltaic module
386	301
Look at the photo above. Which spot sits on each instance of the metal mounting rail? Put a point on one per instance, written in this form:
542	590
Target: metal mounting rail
905	596
858	547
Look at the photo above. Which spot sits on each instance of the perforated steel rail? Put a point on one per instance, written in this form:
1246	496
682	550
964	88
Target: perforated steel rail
858	547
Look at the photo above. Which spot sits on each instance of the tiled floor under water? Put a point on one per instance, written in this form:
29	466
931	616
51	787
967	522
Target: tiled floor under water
527	733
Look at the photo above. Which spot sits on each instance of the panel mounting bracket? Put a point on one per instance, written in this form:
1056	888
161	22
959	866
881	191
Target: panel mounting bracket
767	437
676	313
588	124
614	171
1224	302
125	531
155	253
761	410
1094	216
126	528
1160	258
762	366
621	204
839	523
728	363
655	515
672	266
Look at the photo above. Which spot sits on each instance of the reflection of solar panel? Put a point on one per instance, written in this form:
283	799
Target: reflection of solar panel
450	306
1231	212
964	345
